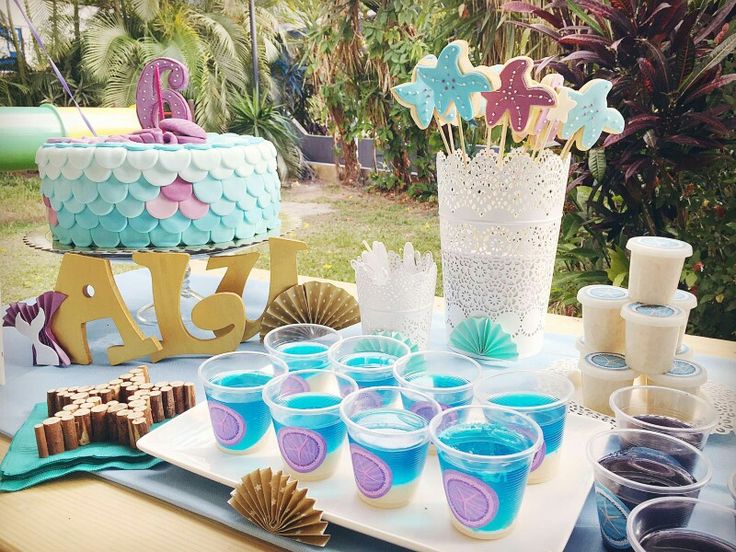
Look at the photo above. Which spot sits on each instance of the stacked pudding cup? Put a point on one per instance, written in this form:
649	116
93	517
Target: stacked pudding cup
635	335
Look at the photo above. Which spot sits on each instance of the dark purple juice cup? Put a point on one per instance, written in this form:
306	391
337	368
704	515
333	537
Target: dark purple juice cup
681	524
633	466
664	410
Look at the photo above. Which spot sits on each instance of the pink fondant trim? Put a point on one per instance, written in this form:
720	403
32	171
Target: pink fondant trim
193	208
161	208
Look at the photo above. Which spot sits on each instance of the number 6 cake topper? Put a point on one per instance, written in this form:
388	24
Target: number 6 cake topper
150	96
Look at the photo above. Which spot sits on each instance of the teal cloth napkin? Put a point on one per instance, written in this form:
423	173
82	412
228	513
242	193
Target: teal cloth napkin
22	468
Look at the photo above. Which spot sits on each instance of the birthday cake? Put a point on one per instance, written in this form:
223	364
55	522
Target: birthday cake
169	184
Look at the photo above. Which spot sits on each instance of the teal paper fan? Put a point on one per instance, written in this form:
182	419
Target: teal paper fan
413	347
482	338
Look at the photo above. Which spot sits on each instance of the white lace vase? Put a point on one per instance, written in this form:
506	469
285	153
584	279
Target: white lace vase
499	226
396	294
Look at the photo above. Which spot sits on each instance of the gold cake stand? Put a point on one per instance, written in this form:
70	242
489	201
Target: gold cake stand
43	241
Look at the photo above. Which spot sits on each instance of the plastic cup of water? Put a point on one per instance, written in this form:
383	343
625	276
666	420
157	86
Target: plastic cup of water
305	409
302	346
681	524
233	384
368	359
669	411
445	376
543	397
632	466
388	442
485	455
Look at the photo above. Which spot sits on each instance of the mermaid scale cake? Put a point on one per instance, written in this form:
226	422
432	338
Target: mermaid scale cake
125	193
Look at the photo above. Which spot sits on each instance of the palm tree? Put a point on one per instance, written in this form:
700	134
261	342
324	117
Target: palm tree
212	40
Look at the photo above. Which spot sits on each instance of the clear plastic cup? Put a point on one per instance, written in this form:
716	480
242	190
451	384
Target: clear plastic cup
655	268
302	346
664	410
681	524
485	454
233	384
632	466
389	438
305	410
368	359
732	487
543	397
603	327
445	376
651	336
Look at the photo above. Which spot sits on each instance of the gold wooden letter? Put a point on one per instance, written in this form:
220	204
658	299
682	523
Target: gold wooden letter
222	313
283	274
91	295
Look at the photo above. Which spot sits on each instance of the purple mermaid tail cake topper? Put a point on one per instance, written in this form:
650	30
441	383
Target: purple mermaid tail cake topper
34	322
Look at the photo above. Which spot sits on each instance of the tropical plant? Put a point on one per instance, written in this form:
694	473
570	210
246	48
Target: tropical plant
666	64
210	37
257	116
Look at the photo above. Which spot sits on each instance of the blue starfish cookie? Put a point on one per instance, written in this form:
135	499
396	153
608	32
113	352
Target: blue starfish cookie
591	116
419	97
453	81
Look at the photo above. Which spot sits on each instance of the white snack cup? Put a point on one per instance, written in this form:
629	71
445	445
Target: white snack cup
651	336
684	375
687	302
582	346
602	374
685	352
656	265
603	327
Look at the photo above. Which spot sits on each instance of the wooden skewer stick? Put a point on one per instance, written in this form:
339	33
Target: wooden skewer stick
461	132
43	448
452	140
567	147
444	141
69	428
502	142
54	435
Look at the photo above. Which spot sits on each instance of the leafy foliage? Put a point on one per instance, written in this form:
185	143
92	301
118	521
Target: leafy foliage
673	164
258	116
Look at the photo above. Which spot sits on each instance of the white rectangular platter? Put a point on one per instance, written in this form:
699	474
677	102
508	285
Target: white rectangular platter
546	519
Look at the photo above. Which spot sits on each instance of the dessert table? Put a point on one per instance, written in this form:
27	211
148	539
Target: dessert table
168	508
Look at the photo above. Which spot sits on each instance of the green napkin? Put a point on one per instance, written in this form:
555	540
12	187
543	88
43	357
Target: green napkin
22	468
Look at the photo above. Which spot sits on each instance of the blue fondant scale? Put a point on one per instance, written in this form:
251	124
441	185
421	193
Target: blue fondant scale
242	203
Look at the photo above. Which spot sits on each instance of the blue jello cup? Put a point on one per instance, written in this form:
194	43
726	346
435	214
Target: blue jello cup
388	442
445	376
632	466
485	455
305	409
302	346
368	359
233	384
543	397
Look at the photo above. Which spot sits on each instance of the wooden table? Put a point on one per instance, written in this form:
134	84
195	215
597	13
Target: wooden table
83	512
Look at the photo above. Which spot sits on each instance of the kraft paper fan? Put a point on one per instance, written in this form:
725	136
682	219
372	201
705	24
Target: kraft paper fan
312	303
481	337
273	502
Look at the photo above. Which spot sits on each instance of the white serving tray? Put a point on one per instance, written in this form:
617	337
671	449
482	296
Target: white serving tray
545	521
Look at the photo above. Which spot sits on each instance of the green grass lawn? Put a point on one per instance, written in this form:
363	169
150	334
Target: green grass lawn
334	238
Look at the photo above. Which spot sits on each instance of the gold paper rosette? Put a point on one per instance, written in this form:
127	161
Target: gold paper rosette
273	502
312	303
